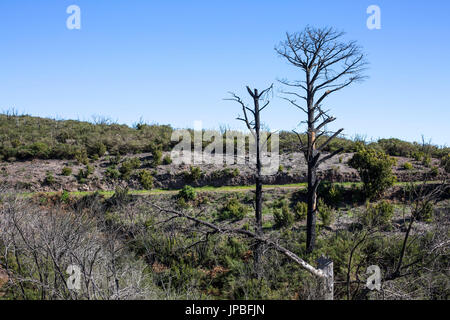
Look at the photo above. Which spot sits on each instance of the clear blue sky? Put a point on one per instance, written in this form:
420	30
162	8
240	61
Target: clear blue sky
174	61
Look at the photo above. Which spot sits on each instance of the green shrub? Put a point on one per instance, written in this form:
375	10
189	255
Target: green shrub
81	157
188	193
280	169
112	173
127	167
146	179
445	163
378	215
326	213
182	204
426	161
434	172
375	170
418	155
66	171
49	178
331	193
65	196
300	210
283	218
95	148
194	174
84	174
157	158
407	166
167	160
233	209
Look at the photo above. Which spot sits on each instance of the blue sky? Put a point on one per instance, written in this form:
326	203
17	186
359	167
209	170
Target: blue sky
174	62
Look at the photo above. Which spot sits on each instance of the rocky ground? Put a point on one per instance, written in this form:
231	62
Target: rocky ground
30	176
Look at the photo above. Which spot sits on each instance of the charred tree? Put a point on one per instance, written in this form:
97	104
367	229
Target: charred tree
253	124
328	65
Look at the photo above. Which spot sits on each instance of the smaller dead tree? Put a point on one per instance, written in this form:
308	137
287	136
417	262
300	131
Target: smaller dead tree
253	124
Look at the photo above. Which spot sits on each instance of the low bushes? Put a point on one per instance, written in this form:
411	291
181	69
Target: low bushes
378	215
233	210
375	170
146	179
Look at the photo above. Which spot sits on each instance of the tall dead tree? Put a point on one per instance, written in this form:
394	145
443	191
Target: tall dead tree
254	126
328	65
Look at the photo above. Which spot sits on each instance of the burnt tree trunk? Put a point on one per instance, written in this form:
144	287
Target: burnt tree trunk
258	191
328	65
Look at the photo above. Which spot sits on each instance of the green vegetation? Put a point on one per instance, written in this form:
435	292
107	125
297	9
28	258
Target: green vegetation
128	166
167	160
445	163
325	213
378	215
24	137
49	178
66	171
233	210
407	166
375	170
42	138
188	193
146	179
300	210
193	175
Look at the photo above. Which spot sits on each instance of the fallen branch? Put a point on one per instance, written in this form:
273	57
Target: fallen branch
316	272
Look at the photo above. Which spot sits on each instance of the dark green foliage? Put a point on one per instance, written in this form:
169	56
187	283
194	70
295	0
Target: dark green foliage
445	163
300	210
396	147
325	213
127	167
282	214
157	156
426	161
375	170
193	175
25	137
233	210
418	155
331	193
378	215
407	166
226	173
187	193
66	171
434	172
146	179
49	178
167	160
65	196
112	173
95	148
83	174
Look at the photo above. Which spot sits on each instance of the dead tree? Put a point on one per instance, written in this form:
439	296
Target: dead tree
328	65
254	126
